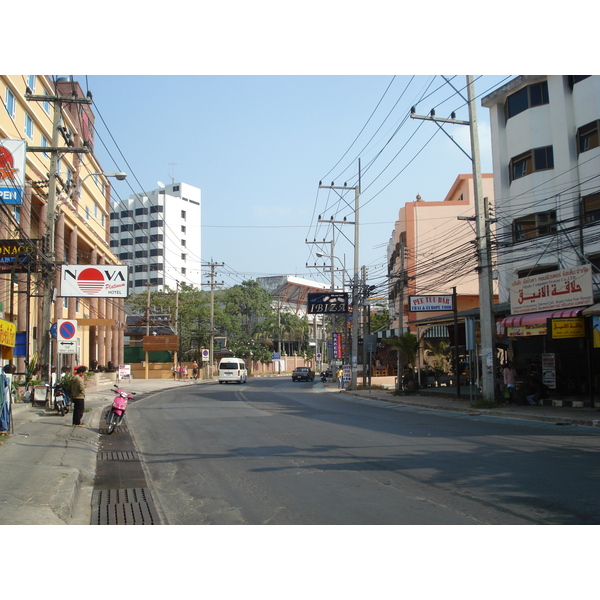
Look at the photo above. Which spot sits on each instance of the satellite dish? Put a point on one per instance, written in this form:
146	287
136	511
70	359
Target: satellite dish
160	184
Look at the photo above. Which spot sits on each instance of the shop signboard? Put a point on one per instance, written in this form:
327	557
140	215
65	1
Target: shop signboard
16	255
12	171
93	281
327	303
567	328
436	302
337	345
565	288
124	372
549	370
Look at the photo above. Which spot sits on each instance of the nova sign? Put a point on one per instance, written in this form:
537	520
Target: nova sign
93	281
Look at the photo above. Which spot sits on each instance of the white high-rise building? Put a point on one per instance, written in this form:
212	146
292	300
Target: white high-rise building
157	233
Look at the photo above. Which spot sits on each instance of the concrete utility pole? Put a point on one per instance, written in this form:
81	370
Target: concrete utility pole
54	150
211	333
356	279
486	297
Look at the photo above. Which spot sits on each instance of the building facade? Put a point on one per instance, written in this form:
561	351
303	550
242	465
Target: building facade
41	111
546	157
158	234
430	253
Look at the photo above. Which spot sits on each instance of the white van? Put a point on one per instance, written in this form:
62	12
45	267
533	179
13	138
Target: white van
232	369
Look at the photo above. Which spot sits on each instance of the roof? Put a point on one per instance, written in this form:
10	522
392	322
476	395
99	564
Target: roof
291	290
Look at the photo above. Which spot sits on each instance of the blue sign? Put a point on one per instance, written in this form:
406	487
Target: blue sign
11	195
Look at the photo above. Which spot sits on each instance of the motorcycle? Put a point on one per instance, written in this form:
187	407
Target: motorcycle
117	410
61	400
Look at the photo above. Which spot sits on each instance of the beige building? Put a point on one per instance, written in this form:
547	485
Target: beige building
81	235
431	251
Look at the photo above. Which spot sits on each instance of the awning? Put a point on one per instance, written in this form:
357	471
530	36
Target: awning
540	318
592	310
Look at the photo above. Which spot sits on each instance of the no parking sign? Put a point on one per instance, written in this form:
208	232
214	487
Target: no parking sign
205	355
66	336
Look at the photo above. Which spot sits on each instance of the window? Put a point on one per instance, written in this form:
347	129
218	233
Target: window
114	215
141	268
183	229
95	211
183	243
141	211
45	144
156	252
183	270
591	208
183	214
536	271
157	237
157	223
156	209
141	254
573	79
527	97
127	242
114	243
11	104
143	239
140	225
175	188
29	127
127	227
126	213
184	257
587	137
114	229
534	225
126	256
538	159
157	267
87	213
31	83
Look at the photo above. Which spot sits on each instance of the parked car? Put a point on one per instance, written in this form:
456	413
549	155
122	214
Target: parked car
303	374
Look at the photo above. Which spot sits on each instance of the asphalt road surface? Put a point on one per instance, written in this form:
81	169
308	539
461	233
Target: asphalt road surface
275	452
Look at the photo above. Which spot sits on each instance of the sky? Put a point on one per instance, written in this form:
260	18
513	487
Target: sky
258	146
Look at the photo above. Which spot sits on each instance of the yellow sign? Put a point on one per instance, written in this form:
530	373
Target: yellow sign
567	328
8	333
527	330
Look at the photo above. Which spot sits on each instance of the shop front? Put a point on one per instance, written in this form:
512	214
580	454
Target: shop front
8	336
552	349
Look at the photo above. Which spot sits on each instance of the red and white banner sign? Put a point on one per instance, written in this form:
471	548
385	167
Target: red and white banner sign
94	281
552	291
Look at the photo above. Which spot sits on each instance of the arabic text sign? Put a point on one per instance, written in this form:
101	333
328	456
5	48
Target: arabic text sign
567	328
552	291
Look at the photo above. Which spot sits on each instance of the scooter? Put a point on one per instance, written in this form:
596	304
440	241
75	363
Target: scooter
61	399
117	410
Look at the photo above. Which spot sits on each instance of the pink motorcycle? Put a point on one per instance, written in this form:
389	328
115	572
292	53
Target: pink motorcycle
117	410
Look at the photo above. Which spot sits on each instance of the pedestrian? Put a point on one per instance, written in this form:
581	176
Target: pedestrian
195	370
510	380
78	396
184	372
340	377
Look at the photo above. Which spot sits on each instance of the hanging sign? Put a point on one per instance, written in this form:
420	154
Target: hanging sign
12	171
436	302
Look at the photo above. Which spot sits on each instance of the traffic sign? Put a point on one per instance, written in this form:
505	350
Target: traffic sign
67	329
205	354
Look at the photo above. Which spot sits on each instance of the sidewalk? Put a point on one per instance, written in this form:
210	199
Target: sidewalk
47	467
445	399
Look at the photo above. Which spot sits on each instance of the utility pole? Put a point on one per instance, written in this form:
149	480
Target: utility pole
175	354
355	281
486	298
54	151
211	333
147	357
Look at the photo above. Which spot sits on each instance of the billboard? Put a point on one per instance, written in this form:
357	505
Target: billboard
327	303
433	303
12	171
94	281
565	288
16	255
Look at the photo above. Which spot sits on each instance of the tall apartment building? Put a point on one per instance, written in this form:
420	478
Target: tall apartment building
157	233
546	156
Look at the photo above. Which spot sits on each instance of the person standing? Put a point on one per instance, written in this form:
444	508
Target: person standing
340	377
78	396
510	380
195	370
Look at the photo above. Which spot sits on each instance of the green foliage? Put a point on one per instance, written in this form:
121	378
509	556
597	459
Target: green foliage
408	345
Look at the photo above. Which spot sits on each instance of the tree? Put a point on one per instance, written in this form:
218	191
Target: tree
248	302
408	345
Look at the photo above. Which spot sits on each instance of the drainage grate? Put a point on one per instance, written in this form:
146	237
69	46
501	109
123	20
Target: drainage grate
131	506
127	455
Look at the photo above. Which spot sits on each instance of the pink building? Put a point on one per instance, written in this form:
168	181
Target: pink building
431	251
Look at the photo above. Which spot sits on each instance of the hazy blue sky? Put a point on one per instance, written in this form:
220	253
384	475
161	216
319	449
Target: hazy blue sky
258	146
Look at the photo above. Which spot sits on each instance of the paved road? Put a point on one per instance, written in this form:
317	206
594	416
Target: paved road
276	452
